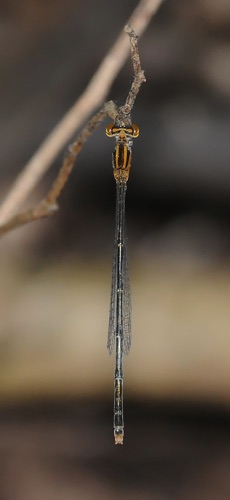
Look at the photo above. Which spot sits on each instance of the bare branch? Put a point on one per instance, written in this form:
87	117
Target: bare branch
123	114
91	99
49	206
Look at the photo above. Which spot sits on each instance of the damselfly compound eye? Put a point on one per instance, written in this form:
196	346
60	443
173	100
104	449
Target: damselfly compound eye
136	131
109	130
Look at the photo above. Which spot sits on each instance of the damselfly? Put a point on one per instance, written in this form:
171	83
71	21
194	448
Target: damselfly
120	304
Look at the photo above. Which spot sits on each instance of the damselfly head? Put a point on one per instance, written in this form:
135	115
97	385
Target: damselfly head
129	131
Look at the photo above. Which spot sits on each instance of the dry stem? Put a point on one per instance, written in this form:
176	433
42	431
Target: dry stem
123	115
48	206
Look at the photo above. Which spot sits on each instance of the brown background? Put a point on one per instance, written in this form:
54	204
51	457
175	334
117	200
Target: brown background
56	379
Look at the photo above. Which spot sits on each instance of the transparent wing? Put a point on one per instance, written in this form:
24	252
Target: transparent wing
127	308
120	309
113	303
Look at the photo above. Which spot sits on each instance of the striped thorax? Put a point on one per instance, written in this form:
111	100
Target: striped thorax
122	154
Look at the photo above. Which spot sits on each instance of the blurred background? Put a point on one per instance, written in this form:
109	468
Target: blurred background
56	383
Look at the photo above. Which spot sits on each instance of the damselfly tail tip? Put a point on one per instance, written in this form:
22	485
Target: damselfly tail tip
119	438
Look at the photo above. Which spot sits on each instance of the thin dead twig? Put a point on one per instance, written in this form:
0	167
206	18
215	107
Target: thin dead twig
91	99
123	116
48	206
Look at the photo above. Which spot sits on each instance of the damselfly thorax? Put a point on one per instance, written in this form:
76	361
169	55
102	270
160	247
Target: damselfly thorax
123	151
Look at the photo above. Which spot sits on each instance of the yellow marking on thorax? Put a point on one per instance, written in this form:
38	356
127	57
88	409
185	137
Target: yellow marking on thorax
122	154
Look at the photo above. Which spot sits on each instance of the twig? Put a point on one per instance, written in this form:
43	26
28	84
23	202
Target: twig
48	206
123	116
91	99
